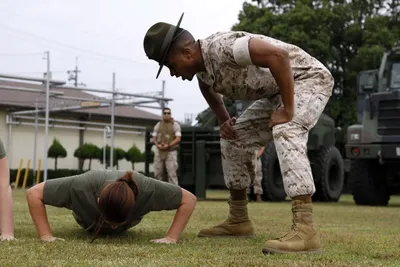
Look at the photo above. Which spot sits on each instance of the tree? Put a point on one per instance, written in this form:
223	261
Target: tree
134	155
87	151
346	36
119	154
56	150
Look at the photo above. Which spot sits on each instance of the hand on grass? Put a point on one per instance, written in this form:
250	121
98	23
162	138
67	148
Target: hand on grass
49	238
7	238
165	240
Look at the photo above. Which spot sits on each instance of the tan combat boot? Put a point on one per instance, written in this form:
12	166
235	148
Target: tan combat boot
303	238
237	224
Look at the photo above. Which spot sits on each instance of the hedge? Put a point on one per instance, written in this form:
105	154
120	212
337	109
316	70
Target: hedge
51	174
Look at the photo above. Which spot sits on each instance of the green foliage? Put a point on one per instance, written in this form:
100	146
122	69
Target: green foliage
346	36
88	151
134	155
55	151
118	155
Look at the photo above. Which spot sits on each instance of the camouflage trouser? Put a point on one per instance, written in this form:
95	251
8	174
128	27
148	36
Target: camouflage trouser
170	159
239	159
257	181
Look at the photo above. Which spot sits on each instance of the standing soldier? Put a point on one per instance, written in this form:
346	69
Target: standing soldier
290	88
166	137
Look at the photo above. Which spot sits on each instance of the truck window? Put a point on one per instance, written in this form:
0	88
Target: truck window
395	76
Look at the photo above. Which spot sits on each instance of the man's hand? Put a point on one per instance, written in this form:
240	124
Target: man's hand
165	240
162	147
280	116
226	130
49	238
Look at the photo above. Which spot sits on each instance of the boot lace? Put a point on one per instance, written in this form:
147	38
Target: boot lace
293	228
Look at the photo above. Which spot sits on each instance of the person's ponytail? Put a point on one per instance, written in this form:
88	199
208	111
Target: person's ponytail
128	179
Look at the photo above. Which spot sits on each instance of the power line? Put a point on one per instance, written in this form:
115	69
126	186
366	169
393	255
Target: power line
21	55
41	38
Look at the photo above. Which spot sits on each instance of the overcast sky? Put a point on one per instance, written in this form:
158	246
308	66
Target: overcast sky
106	36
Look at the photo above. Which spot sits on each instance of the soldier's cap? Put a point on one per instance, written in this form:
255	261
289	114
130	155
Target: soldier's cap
158	39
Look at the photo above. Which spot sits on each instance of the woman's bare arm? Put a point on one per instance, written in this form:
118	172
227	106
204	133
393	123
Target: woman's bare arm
182	215
38	213
181	218
6	203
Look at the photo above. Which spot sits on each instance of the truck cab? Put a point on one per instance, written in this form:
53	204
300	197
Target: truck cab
373	144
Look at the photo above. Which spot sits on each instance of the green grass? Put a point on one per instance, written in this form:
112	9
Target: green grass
352	236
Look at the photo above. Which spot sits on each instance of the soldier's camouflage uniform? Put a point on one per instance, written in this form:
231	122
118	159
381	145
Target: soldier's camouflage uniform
165	132
257	187
229	72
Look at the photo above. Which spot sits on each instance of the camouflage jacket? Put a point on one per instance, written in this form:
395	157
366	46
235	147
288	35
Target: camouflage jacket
230	73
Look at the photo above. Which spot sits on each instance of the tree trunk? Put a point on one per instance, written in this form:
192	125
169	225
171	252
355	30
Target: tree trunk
133	165
90	164
55	163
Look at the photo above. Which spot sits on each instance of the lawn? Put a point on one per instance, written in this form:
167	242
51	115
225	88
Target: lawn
352	236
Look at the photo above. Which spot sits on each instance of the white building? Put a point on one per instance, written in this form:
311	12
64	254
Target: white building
71	128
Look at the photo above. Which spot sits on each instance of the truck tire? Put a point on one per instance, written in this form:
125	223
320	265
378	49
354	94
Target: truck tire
328	170
367	188
272	183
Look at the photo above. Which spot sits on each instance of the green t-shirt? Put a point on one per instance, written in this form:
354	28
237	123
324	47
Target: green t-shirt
79	193
2	150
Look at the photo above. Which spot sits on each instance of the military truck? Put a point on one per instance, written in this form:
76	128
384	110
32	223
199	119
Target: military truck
199	158
373	144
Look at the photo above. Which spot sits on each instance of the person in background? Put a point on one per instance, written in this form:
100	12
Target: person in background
6	203
110	202
166	137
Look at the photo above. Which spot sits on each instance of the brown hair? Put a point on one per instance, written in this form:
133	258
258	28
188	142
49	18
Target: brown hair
117	199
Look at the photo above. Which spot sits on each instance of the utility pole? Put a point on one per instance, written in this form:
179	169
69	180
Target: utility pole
162	95
73	75
112	123
36	132
46	127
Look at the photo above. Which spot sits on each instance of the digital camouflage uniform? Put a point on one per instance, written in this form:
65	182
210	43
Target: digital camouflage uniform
166	132
229	72
257	187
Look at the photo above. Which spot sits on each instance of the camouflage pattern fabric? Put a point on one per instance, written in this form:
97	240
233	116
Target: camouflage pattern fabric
170	159
229	72
257	181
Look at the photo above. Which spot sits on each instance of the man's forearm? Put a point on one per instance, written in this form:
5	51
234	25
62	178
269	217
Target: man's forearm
175	141
282	71
216	104
220	112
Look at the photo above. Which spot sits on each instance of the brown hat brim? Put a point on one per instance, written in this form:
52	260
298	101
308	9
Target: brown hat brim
167	43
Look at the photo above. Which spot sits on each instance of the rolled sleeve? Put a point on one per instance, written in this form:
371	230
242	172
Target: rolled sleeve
156	129
57	192
177	129
240	51
167	196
